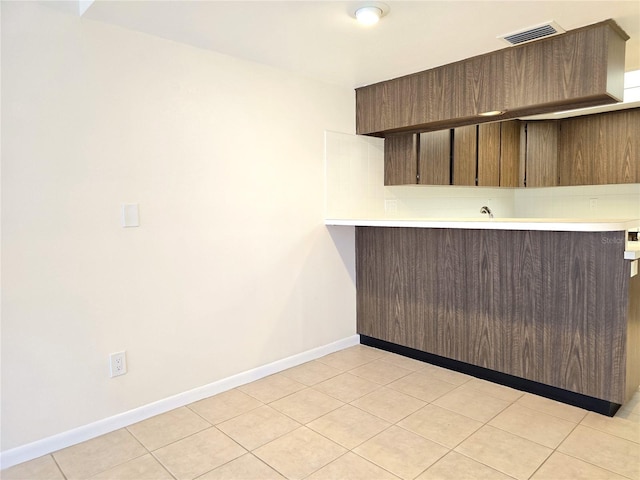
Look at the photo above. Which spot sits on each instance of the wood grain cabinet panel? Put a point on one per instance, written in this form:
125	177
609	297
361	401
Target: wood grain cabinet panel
489	155
400	159
551	307
434	165
583	67
511	153
465	149
600	149
541	154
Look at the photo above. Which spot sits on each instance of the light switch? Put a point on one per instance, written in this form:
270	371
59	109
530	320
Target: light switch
130	215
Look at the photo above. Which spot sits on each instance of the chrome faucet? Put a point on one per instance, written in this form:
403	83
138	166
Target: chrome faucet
486	210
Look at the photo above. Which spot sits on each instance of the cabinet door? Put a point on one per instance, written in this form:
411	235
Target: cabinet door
401	159
489	155
434	167
464	155
576	155
510	153
542	154
600	149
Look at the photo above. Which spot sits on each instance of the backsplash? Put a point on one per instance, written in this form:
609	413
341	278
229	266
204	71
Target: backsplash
589	201
354	169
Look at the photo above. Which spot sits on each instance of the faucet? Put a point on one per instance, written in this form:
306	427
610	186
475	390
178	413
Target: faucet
487	210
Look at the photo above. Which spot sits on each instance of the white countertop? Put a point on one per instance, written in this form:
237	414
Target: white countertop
631	252
550	224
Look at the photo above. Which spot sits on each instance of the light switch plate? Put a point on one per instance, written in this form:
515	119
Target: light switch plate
130	215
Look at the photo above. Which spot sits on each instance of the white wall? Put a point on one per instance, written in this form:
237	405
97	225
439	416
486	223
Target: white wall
231	268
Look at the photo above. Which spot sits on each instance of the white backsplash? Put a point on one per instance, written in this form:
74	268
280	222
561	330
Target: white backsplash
588	201
354	167
355	187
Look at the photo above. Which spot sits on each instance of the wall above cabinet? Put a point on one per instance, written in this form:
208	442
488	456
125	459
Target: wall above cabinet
583	67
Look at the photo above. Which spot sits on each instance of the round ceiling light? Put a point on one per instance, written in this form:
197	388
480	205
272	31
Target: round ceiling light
368	15
370	12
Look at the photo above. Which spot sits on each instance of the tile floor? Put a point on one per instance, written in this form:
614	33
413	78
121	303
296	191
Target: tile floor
360	413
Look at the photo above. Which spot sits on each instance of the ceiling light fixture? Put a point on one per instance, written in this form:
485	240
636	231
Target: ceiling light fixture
492	113
368	15
371	12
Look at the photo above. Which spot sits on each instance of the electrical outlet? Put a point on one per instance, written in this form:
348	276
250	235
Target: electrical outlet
593	203
118	364
391	206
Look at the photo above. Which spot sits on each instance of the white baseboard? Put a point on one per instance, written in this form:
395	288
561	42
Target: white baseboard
51	444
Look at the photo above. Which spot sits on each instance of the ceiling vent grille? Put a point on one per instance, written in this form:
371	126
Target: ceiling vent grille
548	29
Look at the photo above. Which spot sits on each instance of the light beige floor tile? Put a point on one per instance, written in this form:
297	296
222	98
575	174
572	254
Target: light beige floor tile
493	389
633	405
404	362
351	358
349	426
246	467
41	468
551	407
401	452
271	388
98	454
311	373
560	466
346	387
300	453
620	427
167	428
628	415
306	405
142	468
446	375
504	451
454	466
424	387
536	426
388	404
380	372
258	427
195	455
472	404
604	450
440	425
224	406
352	467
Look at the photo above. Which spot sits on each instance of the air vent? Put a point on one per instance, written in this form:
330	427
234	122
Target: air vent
548	29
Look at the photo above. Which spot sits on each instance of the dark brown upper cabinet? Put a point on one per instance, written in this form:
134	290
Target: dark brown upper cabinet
489	154
600	149
511	151
401	159
484	155
434	166
580	68
465	155
541	156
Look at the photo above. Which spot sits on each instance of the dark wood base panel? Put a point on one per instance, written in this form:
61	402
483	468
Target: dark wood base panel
548	307
583	401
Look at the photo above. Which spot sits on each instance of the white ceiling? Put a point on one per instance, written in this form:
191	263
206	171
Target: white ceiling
321	39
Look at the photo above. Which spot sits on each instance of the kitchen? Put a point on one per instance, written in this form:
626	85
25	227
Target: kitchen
124	117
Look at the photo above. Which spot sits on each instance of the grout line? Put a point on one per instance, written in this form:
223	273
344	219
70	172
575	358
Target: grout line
378	387
59	467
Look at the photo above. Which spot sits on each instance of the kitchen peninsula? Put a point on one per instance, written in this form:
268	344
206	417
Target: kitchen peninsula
544	305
